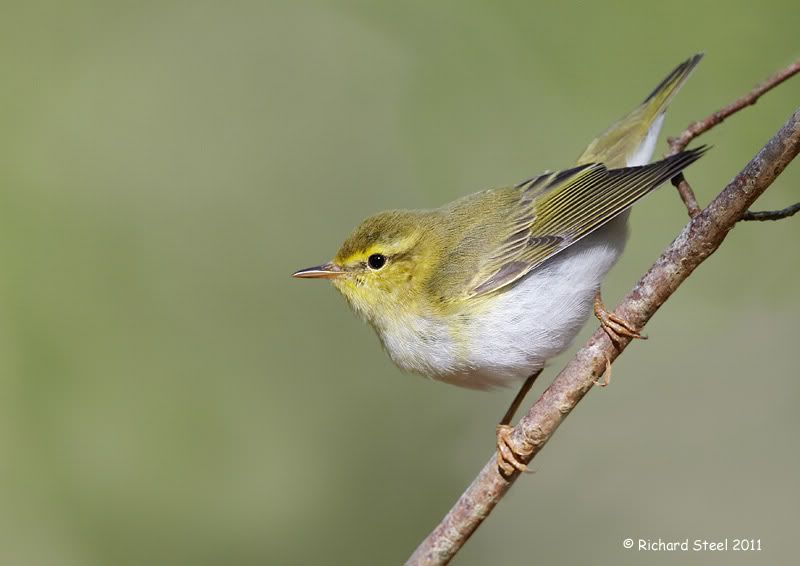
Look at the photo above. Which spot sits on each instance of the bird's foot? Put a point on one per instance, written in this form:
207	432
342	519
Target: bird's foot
614	325
508	460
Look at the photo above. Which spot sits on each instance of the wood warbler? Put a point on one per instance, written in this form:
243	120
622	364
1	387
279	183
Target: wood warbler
485	290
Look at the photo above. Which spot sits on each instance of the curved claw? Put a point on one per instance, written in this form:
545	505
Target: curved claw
507	460
614	325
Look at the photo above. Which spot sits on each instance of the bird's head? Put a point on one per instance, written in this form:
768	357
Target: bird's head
382	267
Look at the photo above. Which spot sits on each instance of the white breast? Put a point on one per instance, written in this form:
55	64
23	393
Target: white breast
421	344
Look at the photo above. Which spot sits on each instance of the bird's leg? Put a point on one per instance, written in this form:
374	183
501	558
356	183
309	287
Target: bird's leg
614	325
507	459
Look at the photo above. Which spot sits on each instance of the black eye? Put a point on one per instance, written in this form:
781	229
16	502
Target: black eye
376	261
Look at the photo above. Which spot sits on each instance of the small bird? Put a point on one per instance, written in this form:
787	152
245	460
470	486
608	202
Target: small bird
483	291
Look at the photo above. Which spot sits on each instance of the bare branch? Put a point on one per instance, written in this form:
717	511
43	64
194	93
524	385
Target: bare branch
772	214
696	128
697	241
679	143
687	194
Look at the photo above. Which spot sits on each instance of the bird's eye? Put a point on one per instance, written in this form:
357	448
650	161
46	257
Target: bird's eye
376	261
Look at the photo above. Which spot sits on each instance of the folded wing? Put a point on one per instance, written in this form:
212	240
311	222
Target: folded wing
558	209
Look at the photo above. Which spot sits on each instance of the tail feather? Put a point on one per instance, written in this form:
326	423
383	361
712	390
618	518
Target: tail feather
631	140
658	100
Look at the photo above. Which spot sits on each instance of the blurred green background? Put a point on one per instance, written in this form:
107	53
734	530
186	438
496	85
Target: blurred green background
169	395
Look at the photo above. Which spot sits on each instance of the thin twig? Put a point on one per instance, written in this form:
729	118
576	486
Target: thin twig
772	214
679	143
687	194
695	243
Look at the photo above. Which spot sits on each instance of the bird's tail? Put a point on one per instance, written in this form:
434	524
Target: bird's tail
631	140
658	100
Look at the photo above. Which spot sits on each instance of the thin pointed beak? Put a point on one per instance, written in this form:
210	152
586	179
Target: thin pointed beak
324	271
